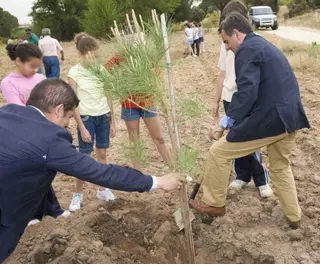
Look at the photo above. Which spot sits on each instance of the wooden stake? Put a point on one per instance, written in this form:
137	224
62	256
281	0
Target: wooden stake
176	145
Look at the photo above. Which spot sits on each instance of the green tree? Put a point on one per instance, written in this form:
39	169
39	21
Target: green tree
101	13
183	11
8	22
99	17
63	17
198	14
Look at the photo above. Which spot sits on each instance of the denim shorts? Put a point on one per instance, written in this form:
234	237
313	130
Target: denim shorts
99	129
130	114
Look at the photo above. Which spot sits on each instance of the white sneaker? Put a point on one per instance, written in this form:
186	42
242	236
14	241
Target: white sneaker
237	184
65	214
105	195
265	191
76	202
33	222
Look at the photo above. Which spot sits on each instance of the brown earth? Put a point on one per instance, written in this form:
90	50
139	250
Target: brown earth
139	228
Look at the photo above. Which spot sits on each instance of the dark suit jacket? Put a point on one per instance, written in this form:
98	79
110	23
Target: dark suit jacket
32	151
268	100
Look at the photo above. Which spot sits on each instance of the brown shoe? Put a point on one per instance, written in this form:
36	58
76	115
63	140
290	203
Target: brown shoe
204	208
294	225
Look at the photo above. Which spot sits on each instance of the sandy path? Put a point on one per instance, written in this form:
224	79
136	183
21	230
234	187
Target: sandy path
306	35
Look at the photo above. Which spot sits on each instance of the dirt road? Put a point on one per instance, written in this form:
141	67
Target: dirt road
306	35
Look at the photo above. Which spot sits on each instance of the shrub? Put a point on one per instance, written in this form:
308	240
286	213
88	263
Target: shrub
211	20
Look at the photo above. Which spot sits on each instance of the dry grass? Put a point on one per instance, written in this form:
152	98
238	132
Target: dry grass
311	20
301	56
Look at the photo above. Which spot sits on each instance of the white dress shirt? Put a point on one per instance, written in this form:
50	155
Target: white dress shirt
49	46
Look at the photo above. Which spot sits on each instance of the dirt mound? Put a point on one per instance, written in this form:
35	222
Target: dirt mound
139	228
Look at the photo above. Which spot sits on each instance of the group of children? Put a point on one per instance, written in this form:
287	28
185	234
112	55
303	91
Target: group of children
94	116
194	39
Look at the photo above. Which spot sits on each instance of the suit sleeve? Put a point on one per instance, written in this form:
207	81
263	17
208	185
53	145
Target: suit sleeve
63	157
247	67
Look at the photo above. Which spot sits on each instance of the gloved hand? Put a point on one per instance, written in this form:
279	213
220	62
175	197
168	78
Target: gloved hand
226	122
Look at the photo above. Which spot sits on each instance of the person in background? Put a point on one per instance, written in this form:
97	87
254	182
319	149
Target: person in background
189	40
50	47
10	41
16	88
266	111
201	37
32	38
195	39
15	41
94	116
249	166
36	145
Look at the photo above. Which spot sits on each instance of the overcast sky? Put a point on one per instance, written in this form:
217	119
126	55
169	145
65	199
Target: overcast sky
18	8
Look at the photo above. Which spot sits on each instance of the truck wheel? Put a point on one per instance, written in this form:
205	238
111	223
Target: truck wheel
275	27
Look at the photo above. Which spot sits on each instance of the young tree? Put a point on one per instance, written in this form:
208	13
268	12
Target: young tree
63	17
8	22
198	14
99	17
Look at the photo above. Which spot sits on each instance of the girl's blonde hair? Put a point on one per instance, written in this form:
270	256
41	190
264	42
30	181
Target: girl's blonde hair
85	43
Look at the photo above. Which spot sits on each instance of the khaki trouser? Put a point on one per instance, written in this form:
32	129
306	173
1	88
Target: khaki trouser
218	166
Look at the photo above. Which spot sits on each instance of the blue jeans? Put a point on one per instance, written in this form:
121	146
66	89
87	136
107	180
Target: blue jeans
52	66
250	166
128	114
99	129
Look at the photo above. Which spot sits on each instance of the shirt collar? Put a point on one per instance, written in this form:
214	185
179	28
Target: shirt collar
37	110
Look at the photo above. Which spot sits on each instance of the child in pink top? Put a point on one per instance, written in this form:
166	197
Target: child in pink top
17	86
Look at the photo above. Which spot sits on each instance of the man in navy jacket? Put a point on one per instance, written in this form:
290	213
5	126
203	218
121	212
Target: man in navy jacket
35	145
266	111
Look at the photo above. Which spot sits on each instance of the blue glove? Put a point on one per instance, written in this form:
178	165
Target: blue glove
226	122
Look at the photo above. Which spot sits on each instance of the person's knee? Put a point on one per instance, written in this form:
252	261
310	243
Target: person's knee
159	140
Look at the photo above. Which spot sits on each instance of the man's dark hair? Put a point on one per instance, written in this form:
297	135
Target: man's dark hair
235	21
52	92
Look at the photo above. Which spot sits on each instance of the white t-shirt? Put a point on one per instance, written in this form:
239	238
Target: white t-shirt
226	64
189	33
195	33
90	91
201	32
49	46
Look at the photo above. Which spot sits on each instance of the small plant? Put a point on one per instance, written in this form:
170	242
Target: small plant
136	150
314	51
187	160
191	107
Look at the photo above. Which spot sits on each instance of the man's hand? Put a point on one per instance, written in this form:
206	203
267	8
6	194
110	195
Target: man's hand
171	181
215	110
85	135
62	58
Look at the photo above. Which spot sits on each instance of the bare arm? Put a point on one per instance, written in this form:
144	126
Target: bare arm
112	120
62	55
215	109
85	135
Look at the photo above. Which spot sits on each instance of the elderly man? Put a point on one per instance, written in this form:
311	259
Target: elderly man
265	111
35	145
50	47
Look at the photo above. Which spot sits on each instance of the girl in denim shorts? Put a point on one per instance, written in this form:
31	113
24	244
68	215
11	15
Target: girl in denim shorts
94	116
131	113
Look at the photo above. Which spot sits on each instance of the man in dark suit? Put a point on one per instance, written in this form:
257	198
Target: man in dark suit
35	145
265	111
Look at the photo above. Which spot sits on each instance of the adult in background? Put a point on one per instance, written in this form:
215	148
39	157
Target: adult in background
266	111
50	47
32	38
16	88
251	165
35	145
